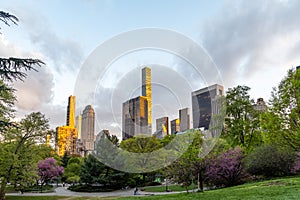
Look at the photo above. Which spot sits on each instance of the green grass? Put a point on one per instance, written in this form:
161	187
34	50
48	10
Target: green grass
282	188
162	188
57	198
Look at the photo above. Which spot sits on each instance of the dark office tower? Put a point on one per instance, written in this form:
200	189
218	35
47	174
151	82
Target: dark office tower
135	118
184	119
147	92
162	127
88	128
71	111
205	104
175	126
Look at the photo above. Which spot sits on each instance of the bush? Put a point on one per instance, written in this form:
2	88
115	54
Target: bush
296	167
226	168
270	161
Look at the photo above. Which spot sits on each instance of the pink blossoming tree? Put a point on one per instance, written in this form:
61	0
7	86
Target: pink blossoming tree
48	170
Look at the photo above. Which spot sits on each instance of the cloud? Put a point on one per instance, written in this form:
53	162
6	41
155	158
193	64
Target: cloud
63	54
248	37
35	93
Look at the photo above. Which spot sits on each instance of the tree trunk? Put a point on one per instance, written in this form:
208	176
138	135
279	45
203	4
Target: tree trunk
144	180
3	188
201	181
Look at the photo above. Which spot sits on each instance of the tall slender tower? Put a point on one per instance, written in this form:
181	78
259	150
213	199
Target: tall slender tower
88	127
147	92
71	111
78	125
184	119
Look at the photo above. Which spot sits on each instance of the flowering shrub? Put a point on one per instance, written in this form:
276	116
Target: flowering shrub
226	168
48	170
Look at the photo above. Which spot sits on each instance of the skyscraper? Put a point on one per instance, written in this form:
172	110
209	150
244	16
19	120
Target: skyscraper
135	117
147	92
88	128
205	104
71	111
66	136
184	119
162	127
78	123
175	126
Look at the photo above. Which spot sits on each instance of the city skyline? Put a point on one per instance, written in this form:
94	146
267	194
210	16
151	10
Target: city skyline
249	58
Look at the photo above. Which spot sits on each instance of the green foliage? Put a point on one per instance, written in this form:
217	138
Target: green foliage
270	161
281	124
19	152
242	122
141	144
189	166
90	170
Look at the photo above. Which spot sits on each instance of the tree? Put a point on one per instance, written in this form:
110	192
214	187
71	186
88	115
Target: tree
189	166
16	138
242	121
141	145
18	155
226	168
270	161
90	170
72	170
7	99
48	170
13	68
281	124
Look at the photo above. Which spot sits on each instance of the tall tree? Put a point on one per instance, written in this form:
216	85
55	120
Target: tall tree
281	124
242	121
17	143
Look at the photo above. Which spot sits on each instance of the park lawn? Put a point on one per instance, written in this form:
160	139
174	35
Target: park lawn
283	188
162	188
57	198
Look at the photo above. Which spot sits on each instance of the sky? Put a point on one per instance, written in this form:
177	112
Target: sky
250	43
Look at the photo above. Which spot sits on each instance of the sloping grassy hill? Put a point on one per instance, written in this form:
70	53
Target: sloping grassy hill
283	188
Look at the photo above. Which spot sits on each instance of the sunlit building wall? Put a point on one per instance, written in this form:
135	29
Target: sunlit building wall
71	111
147	92
135	118
175	126
66	138
162	127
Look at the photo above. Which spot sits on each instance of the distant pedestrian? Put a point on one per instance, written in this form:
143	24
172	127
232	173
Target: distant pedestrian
135	191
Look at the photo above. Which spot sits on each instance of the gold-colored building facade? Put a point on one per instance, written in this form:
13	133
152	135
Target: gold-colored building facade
71	111
147	92
66	138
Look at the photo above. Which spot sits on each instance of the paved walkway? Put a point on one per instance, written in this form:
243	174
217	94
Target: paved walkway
61	191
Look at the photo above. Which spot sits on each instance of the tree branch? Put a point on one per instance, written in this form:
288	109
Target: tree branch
13	68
